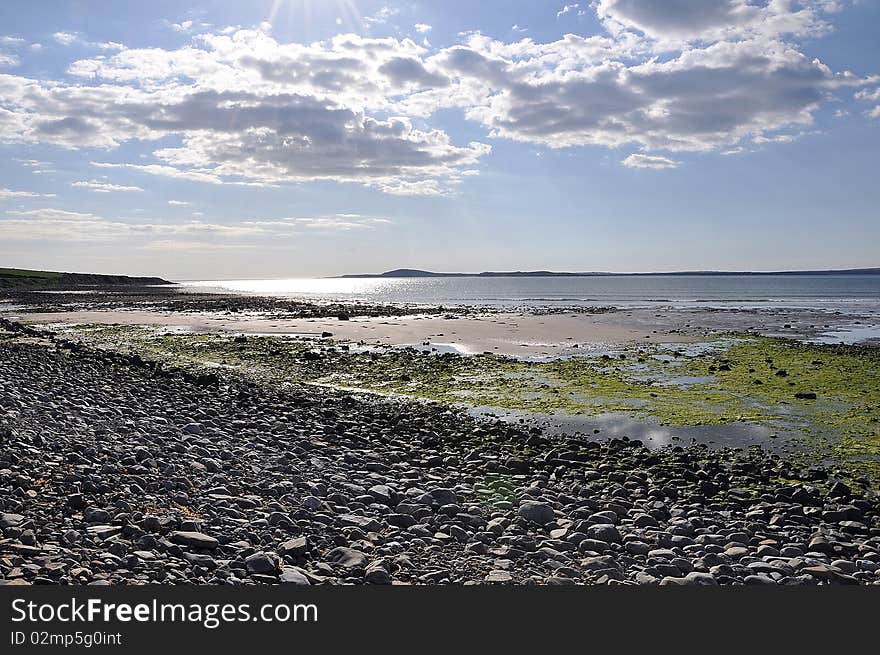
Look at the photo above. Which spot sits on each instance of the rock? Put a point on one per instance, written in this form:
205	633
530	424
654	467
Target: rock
199	559
292	575
824	572
103	482
759	579
645	521
820	544
382	493
9	520
701	579
693	579
377	575
400	520
637	548
365	523
296	547
104	531
194	540
443	496
76	501
262	563
96	515
605	517
347	557
499	576
736	552
604	532
536	512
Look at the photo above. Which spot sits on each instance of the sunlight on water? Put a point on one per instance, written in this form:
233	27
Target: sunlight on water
848	294
321	287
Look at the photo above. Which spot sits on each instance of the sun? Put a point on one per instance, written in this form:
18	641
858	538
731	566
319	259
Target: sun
345	12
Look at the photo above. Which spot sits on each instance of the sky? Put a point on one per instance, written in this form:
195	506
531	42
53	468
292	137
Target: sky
226	139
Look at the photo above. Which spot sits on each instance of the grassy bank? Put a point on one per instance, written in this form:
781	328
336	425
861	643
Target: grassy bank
19	278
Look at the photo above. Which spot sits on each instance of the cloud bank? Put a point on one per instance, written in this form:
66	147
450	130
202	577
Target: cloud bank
240	107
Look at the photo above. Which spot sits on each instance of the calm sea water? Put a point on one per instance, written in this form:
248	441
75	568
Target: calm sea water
847	293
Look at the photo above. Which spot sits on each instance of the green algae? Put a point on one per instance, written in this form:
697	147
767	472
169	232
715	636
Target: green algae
736	378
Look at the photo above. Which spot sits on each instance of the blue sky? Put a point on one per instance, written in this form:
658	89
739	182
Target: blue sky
296	138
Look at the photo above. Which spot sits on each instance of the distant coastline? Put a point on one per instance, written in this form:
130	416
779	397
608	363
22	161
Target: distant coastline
25	279
414	272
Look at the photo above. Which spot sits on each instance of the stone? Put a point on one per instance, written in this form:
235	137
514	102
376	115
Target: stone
645	521
377	575
104	531
443	496
701	579
536	512
400	520
296	547
347	557
382	493
498	576
194	539
604	532
76	501
10	520
292	575
96	515
364	523
261	563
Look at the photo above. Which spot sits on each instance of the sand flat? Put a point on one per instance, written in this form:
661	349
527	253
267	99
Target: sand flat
516	334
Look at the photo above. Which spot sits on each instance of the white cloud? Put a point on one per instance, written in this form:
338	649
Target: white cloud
164	171
566	9
6	194
50	214
57	225
422	28
8	60
242	108
104	187
413	188
179	203
649	161
380	17
871	95
70	38
577	91
250	110
713	20
65	38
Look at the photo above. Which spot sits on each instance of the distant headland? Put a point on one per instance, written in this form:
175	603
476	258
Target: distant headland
414	272
20	278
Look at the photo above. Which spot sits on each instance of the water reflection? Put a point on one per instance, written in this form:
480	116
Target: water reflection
649	432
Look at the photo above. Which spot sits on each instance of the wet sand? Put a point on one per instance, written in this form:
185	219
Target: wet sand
514	334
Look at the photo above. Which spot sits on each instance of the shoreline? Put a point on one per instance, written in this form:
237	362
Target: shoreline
370	452
175	478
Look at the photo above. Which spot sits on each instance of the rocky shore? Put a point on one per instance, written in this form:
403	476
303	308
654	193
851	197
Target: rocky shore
117	470
177	299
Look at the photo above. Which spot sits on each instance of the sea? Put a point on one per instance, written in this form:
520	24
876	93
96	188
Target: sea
847	293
